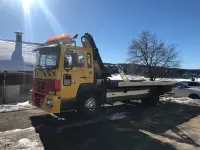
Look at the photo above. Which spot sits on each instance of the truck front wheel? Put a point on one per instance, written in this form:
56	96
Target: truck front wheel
88	105
150	100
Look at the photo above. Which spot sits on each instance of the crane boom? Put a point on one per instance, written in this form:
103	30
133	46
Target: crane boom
89	42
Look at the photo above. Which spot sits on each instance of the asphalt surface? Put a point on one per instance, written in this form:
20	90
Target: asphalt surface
124	127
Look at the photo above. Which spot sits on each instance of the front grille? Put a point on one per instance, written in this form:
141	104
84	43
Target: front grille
43	86
38	99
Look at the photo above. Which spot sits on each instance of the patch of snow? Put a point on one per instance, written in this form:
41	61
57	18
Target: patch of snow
15	107
130	77
19	139
17	130
182	100
176	79
115	77
117	116
26	143
137	77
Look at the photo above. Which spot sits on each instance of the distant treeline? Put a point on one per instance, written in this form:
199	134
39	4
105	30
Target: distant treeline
160	72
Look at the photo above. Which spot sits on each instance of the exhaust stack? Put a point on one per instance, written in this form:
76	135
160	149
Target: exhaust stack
17	54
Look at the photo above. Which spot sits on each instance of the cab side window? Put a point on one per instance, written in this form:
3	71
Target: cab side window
68	59
74	59
80	62
89	60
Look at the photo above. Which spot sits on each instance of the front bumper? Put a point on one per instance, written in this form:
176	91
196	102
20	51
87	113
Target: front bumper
46	102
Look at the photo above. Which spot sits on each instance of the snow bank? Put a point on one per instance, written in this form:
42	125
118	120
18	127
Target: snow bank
16	131
176	79
20	139
133	77
15	107
182	100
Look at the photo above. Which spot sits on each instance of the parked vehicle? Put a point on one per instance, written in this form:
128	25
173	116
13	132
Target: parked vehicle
192	84
181	89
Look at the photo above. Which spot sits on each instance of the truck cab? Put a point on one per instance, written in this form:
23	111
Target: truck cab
59	72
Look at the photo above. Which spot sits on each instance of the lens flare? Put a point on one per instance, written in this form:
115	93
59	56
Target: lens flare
27	5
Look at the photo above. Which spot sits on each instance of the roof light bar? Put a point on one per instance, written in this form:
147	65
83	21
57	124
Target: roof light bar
63	38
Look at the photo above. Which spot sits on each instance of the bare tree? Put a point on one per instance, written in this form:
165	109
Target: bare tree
149	51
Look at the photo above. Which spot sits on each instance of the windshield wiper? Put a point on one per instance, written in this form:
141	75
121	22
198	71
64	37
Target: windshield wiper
49	68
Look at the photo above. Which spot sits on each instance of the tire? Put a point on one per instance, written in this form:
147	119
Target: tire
150	100
194	96
88	105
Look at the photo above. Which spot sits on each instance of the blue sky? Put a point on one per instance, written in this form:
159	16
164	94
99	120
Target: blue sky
113	23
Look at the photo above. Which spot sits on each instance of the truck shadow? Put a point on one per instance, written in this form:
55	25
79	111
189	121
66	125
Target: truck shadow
118	127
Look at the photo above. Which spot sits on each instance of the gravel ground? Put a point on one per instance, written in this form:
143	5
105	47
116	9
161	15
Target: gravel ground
167	126
18	119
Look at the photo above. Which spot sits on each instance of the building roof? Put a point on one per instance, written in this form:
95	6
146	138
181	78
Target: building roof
24	56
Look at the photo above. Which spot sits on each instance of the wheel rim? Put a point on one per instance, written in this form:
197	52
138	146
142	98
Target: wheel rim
90	104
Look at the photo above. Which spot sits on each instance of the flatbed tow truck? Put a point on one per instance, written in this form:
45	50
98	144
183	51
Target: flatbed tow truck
71	77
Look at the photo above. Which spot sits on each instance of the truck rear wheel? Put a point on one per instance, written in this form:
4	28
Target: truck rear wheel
88	105
151	100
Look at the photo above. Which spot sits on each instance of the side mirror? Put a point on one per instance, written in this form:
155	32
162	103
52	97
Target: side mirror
69	67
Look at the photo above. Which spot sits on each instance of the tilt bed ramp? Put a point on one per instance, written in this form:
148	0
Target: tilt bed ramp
70	77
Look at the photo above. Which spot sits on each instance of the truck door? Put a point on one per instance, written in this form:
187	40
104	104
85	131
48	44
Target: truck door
74	73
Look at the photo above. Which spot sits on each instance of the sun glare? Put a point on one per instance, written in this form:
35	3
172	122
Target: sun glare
27	5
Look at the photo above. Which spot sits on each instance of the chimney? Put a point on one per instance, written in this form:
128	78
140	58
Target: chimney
18	36
17	53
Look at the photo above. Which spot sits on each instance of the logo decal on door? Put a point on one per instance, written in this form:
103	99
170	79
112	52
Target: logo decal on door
90	72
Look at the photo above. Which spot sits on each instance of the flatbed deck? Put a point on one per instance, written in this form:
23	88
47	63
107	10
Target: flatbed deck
145	83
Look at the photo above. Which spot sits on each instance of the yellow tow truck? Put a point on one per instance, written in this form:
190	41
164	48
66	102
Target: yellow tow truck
68	77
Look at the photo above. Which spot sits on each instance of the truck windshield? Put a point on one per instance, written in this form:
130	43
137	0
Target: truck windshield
48	57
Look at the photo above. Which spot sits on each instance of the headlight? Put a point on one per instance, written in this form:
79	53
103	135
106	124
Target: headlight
49	103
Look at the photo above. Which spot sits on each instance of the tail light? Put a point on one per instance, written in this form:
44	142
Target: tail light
57	85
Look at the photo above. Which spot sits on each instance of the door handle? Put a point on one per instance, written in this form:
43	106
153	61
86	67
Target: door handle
83	77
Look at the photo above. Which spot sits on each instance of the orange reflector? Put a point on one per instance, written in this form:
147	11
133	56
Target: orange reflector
59	37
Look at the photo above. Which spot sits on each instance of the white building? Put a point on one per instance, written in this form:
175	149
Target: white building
16	65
